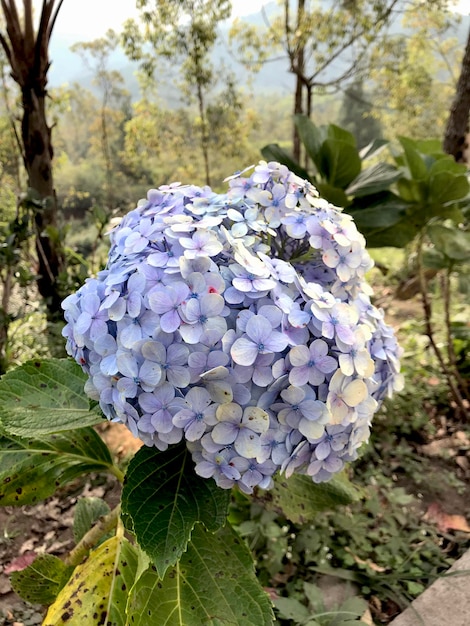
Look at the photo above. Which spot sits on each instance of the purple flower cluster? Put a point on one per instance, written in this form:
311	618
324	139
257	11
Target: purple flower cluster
241	323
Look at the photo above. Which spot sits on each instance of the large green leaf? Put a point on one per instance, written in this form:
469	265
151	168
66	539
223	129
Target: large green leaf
397	236
339	162
43	397
300	499
97	592
336	132
453	242
214	584
377	217
40	582
335	195
273	152
446	163
414	160
165	498
87	512
311	136
373	180
373	149
413	191
32	469
446	187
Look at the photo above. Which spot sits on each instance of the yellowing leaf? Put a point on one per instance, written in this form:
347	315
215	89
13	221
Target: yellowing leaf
98	589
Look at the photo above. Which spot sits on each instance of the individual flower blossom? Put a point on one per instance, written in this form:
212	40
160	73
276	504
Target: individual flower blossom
136	372
202	243
345	393
344	259
253	474
302	411
246	281
198	414
240	428
92	318
202	319
273	445
160	406
310	365
355	358
172	361
218	465
259	338
166	301
339	321
131	302
131	330
295	225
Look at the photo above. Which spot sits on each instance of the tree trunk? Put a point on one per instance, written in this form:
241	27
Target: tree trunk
455	138
38	154
298	68
27	53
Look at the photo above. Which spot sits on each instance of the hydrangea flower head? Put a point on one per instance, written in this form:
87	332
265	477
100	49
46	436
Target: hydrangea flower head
240	323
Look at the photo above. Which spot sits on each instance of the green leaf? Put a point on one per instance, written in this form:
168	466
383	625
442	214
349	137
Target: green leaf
43	397
377	217
87	512
446	163
314	596
397	236
414	160
273	152
214	584
412	191
375	147
32	469
339	162
40	582
300	499
373	180
292	609
433	259
311	137
336	132
165	498
432	147
445	187
453	242
97	592
335	195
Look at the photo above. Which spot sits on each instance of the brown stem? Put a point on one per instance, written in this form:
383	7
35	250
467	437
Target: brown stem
104	525
430	331
445	285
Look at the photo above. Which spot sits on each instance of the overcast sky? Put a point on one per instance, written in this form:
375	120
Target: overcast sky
89	19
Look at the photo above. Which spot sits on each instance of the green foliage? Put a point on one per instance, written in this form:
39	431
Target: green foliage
213	584
188	565
313	611
98	590
165	499
390	204
341	177
33	469
299	499
87	512
40	582
44	397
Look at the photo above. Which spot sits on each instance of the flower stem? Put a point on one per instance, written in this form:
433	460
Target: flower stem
430	331
105	524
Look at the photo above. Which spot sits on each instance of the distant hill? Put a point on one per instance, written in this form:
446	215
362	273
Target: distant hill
67	67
